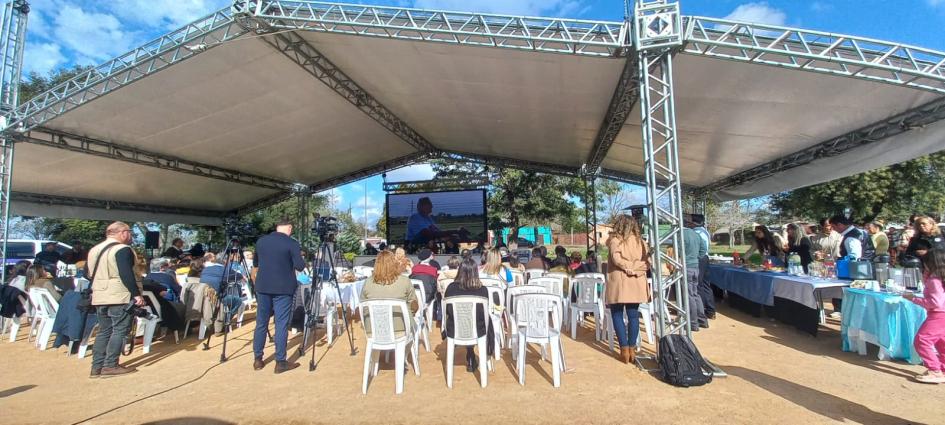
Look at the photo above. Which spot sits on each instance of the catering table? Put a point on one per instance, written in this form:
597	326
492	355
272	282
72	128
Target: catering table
883	319
791	299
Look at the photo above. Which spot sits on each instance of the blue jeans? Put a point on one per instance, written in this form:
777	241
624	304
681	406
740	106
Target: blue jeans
113	326
633	316
268	305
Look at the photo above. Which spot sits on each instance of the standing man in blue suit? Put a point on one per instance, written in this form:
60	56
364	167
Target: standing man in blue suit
278	257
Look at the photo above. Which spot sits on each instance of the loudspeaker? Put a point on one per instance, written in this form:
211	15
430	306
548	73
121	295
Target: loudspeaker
152	240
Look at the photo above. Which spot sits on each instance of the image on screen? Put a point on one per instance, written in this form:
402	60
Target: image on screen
440	220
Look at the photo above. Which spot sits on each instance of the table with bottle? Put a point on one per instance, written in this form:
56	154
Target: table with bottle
793	298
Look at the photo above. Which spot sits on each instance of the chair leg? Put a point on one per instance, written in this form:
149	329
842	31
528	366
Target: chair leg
414	352
14	328
648	326
203	330
148	336
399	367
484	364
45	334
556	357
574	319
367	366
450	350
521	359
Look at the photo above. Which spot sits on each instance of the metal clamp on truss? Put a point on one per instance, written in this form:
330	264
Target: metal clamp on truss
657	25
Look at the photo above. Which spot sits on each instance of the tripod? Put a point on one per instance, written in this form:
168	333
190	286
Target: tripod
324	258
229	286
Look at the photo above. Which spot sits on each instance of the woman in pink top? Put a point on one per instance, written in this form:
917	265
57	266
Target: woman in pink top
930	340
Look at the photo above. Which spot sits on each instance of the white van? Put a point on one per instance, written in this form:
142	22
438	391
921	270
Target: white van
26	249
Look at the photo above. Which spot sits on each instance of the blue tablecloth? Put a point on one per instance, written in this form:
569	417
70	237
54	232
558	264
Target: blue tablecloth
757	287
889	319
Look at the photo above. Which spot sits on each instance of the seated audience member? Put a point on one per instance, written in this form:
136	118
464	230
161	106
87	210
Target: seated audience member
197	250
447	276
388	282
493	268
589	265
575	261
194	271
426	273
213	272
369	249
160	273
544	256
17	277
467	283
37	277
561	263
49	258
537	262
175	250
405	262
514	264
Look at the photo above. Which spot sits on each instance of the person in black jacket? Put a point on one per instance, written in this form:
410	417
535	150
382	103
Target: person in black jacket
467	283
278	257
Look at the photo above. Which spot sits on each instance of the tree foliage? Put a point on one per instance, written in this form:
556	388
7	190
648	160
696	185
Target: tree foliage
891	193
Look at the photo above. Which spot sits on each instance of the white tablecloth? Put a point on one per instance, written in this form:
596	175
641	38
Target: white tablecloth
805	290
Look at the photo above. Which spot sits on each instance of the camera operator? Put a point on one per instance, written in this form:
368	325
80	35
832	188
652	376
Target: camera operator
114	292
278	257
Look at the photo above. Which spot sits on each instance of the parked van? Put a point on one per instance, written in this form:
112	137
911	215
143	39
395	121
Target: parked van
26	249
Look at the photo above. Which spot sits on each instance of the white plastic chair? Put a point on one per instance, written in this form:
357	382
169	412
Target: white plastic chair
518	278
424	315
493	282
510	296
13	323
363	271
533	273
552	285
646	317
588	301
538	319
45	315
600	276
248	302
466	334
147	327
383	337
496	310
84	344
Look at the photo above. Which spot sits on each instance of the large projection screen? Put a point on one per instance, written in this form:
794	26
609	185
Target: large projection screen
436	220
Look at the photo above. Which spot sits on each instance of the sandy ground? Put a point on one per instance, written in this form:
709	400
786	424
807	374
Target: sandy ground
777	375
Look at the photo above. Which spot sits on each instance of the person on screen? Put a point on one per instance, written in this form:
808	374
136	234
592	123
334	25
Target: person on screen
420	226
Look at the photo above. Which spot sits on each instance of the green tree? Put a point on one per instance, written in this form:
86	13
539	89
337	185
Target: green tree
36	83
892	193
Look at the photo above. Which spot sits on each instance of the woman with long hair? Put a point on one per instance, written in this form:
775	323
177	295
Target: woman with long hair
388	281
467	283
405	263
764	242
930	339
927	235
627	287
38	277
799	243
492	267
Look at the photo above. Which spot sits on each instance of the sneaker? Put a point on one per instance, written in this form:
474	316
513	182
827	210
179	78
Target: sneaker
930	377
116	371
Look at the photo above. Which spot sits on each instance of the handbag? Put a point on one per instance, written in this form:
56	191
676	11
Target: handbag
85	296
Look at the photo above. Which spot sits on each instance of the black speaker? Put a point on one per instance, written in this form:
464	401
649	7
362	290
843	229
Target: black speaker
152	240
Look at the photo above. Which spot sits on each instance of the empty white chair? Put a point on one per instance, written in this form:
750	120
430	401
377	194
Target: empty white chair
84	344
45	314
248	302
552	285
380	314
424	315
587	301
600	276
533	273
510	296
538	319
147	326
13	323
465	333
496	311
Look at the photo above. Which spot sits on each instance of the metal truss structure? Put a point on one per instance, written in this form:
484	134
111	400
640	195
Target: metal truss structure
12	42
660	33
919	117
590	212
37	198
569	36
61	140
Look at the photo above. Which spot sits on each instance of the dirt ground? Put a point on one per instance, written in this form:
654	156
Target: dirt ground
776	375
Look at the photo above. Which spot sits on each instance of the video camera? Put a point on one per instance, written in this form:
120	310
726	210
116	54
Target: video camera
136	311
238	229
326	228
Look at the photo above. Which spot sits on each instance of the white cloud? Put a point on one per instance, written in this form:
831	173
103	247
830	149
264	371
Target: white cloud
414	172
92	35
42	58
936	3
164	13
821	7
759	13
512	7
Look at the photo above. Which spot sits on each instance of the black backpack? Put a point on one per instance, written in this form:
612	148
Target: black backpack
680	362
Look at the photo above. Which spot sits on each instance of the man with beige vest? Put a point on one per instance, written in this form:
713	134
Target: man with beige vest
114	287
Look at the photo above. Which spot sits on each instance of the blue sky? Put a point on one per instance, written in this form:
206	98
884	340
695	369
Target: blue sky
66	32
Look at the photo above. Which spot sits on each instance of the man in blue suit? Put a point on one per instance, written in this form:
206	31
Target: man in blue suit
278	257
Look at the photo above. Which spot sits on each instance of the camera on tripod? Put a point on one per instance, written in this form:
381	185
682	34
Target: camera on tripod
239	230
326	228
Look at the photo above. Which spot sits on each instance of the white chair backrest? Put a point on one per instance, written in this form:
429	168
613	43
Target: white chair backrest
533	273
381	313
80	283
496	298
154	303
181	278
539	314
421	291
515	291
600	276
518	278
44	302
586	290
491	281
363	271
464	316
247	294
553	285
557	275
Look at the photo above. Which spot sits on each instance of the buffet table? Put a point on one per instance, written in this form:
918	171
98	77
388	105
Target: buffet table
883	319
796	300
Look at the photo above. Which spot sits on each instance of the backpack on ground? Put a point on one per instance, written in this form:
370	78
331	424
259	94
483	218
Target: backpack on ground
680	362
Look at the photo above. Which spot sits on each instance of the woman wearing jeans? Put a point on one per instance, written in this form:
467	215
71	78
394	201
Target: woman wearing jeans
627	287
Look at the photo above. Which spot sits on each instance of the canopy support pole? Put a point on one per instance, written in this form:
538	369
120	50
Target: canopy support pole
658	33
590	212
12	41
304	219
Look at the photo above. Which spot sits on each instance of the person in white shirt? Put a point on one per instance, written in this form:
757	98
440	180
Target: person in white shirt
826	244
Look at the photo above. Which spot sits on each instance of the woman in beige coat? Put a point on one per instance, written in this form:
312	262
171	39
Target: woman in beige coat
627	287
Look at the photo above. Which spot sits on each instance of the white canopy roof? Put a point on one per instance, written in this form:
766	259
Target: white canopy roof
213	119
